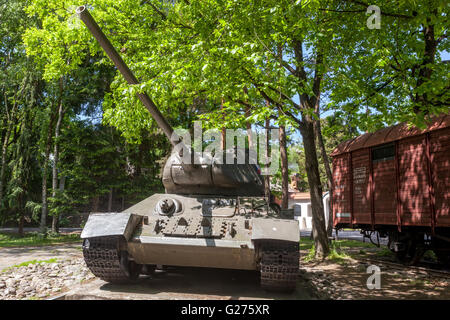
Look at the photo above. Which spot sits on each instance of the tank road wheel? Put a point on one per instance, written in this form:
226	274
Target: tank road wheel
107	262
279	265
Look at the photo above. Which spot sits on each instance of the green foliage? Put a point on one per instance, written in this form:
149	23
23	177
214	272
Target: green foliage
306	243
34	239
430	256
311	254
343	244
385	252
96	159
44	65
394	73
337	256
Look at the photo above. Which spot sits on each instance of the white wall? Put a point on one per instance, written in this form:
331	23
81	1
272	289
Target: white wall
303	212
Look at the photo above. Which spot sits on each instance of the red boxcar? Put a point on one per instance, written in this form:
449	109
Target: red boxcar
397	181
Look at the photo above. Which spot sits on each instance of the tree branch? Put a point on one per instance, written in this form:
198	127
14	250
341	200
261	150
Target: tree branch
388	14
162	14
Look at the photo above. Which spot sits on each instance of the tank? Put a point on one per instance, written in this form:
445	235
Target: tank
212	215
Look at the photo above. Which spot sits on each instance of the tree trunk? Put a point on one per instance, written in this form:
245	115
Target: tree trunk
312	170
95	203
223	130
267	177
4	161
110	200
21	223
284	169
425	71
56	218
10	124
56	157
326	162
43	224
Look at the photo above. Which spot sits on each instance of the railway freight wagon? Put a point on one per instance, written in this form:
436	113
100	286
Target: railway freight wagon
397	181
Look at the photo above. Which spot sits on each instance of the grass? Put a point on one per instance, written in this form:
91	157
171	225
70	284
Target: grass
306	243
34	239
354	244
430	256
336	252
311	254
385	252
27	263
417	282
337	249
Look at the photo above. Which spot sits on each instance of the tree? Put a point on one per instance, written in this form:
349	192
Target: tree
22	187
189	49
19	105
394	73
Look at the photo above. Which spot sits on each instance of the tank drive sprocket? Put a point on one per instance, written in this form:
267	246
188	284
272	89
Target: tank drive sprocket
279	265
107	262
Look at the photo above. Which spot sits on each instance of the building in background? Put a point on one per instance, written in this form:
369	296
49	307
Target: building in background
301	203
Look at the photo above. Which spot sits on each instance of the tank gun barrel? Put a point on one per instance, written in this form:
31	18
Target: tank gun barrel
109	49
185	171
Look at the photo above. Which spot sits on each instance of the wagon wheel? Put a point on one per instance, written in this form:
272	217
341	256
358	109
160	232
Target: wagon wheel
442	251
443	257
413	253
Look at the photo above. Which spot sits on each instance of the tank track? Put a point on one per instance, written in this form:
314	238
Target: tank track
279	266
102	257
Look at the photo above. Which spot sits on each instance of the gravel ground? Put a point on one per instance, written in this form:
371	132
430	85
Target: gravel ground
348	281
41	280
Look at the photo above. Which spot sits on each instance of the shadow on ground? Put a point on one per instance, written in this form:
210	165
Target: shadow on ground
191	283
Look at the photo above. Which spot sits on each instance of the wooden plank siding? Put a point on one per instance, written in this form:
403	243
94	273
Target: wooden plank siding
440	164
361	186
409	187
341	192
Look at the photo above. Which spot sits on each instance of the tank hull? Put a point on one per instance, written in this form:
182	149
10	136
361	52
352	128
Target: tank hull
193	253
193	231
227	238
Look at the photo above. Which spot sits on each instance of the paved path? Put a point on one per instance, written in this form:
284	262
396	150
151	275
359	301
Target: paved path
15	230
349	235
13	256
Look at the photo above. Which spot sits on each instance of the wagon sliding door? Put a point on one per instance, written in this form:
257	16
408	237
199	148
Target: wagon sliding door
440	164
341	190
413	178
384	184
361	186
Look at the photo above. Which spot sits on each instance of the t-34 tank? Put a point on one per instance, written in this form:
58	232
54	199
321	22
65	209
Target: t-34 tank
212	215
